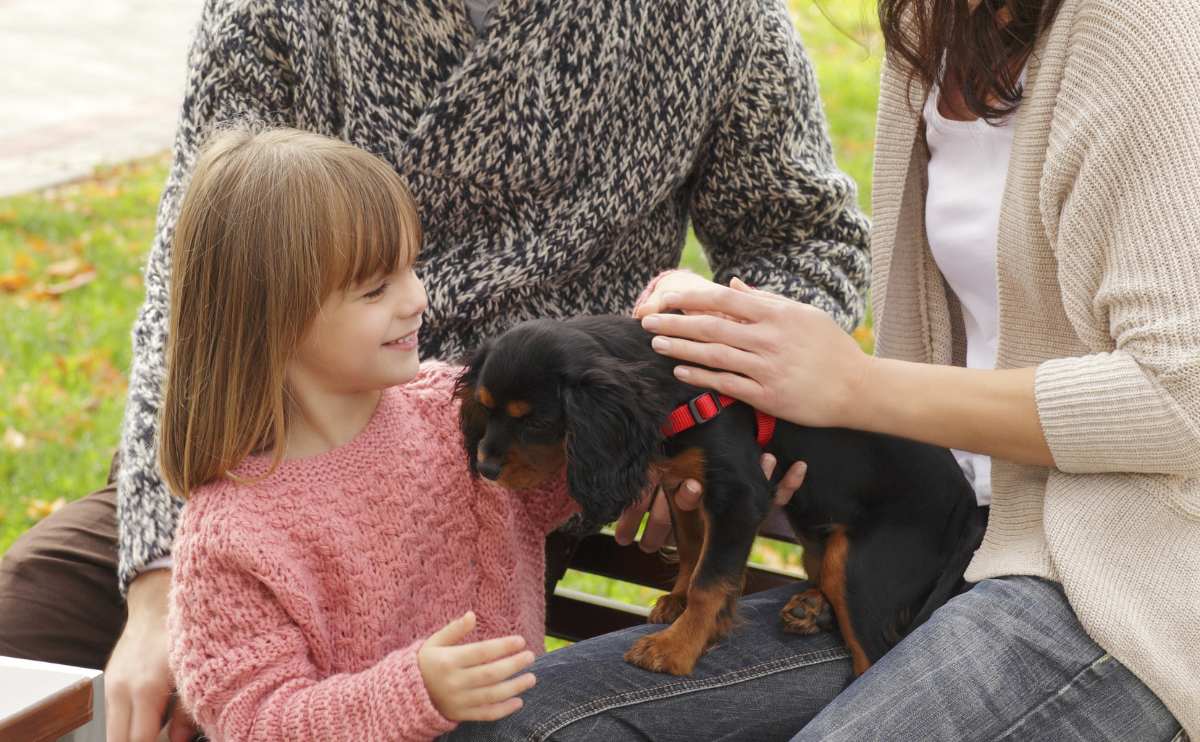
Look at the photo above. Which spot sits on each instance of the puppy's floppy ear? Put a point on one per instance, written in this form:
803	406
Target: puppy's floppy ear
472	416
611	438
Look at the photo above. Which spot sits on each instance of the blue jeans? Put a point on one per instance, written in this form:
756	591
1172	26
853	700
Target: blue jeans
1006	660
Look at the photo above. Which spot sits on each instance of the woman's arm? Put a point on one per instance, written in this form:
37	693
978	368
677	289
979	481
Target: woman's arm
791	360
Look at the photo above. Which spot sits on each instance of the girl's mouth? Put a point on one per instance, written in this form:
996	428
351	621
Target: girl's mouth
407	342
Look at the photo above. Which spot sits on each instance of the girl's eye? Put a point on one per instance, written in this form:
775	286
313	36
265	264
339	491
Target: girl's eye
376	293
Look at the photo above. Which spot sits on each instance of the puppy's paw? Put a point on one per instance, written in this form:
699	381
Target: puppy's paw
662	653
807	613
668	608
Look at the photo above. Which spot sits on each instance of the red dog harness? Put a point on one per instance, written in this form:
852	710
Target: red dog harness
705	407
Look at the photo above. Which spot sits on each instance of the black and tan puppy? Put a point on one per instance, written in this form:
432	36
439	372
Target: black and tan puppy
888	525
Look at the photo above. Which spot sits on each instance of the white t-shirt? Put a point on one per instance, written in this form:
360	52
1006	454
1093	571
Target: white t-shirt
968	169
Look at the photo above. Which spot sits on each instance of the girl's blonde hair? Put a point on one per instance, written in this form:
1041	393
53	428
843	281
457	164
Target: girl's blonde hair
272	224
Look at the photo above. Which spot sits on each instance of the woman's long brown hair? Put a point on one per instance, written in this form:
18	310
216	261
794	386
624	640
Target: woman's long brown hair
273	222
984	46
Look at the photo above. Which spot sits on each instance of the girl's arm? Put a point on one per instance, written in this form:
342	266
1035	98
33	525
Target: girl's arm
246	672
791	360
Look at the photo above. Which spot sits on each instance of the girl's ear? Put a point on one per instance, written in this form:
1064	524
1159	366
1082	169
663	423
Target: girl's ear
611	437
472	416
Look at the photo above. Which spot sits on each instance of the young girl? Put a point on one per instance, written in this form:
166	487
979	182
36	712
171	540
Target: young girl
338	574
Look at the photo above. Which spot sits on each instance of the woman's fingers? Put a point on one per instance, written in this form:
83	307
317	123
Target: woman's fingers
743	305
731	385
631	518
713	355
790	483
767	462
687	497
658	525
705	328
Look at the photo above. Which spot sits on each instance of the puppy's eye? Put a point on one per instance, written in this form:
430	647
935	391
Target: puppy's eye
539	426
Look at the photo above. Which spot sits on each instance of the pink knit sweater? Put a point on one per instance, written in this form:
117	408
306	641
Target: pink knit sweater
298	604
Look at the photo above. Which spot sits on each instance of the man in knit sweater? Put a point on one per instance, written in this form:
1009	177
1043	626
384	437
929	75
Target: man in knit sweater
558	149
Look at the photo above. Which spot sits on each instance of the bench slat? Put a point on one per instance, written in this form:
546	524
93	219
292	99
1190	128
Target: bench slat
575	616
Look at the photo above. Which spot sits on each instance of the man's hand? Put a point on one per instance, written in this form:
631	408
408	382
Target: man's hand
687	497
474	682
137	681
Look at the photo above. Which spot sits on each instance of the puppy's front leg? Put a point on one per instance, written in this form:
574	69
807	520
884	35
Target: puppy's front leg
689	537
713	591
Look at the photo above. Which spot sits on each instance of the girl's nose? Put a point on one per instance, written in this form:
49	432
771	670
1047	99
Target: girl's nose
413	300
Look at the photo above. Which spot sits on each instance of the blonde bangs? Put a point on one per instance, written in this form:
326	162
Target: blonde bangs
272	224
374	228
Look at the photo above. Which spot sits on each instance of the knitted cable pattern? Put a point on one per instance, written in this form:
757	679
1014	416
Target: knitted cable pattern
299	603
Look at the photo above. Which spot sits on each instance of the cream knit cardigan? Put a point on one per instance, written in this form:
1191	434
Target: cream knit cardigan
1099	286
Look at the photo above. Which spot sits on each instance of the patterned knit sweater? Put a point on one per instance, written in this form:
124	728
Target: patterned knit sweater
298	604
557	159
1098	267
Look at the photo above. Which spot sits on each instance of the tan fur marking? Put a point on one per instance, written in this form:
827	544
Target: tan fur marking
530	466
677	648
833	586
485	397
689	538
518	408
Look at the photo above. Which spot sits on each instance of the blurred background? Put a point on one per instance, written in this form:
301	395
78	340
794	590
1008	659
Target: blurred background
89	96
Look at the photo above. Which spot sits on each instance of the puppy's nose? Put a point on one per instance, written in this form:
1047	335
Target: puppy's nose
490	468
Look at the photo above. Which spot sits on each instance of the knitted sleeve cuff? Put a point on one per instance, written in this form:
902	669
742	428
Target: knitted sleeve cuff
1103	413
421	719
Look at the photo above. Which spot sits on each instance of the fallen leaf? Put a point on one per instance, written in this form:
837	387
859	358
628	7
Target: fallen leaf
55	290
22	261
39	509
11	282
66	268
82	279
15	440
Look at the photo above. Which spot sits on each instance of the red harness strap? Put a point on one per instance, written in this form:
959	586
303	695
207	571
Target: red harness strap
705	407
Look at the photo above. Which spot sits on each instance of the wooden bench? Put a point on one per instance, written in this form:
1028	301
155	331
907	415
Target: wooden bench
574	615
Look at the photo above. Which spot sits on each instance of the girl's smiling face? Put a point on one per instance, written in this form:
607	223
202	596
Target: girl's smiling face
365	338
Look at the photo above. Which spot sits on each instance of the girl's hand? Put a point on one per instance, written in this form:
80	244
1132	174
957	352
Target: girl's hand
474	682
783	357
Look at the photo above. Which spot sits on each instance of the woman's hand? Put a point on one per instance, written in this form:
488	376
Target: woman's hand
474	682
791	360
785	358
672	283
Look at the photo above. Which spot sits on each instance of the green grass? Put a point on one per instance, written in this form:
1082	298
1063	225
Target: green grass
63	358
